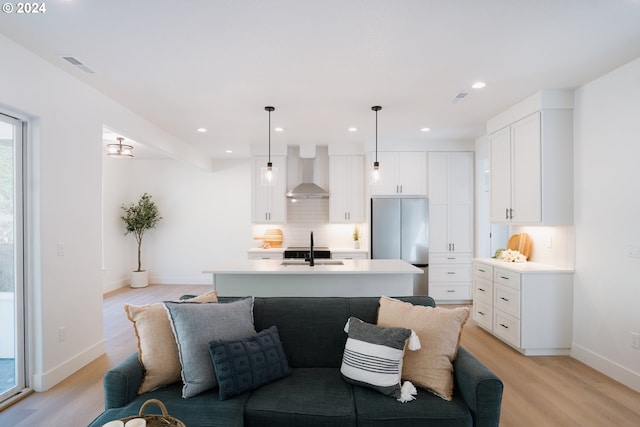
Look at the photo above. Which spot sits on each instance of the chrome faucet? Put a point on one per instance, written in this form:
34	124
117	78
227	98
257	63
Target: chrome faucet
311	256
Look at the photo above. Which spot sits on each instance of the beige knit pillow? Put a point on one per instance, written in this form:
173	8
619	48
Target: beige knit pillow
439	330
157	348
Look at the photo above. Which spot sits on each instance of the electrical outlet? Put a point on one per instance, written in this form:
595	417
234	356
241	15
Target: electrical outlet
635	340
62	333
633	251
60	249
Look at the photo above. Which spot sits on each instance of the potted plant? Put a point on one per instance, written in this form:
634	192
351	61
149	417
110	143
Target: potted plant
138	218
356	237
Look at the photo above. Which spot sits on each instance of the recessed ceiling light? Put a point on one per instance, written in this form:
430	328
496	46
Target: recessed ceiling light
228	151
425	129
201	130
278	129
478	85
353	129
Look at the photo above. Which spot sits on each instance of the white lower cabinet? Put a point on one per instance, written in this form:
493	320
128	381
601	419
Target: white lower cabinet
355	254
450	277
530	310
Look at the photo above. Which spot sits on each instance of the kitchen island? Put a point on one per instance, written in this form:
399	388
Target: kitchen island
339	278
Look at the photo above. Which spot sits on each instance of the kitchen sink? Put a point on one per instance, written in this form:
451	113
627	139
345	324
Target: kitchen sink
317	262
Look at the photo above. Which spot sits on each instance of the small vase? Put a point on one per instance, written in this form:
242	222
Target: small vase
356	244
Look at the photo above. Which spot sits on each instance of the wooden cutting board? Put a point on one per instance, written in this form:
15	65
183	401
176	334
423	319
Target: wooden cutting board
272	238
521	243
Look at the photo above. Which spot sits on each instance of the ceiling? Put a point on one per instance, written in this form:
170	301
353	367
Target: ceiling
323	63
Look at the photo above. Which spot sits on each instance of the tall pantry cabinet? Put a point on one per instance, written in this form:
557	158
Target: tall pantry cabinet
450	225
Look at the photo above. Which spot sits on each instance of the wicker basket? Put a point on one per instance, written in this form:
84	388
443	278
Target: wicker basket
164	420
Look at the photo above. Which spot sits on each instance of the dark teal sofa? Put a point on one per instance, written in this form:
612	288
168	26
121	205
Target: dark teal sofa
312	334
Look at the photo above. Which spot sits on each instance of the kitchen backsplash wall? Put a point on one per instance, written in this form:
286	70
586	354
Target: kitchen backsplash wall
308	215
551	245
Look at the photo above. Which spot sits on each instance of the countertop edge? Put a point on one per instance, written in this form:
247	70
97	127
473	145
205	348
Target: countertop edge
525	267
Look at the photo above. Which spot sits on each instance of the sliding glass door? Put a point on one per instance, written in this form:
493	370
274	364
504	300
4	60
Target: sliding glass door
12	326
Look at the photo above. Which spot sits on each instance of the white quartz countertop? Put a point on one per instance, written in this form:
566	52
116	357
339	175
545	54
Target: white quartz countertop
348	266
524	267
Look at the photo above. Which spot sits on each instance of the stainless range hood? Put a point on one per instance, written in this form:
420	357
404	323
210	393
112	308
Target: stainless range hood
307	189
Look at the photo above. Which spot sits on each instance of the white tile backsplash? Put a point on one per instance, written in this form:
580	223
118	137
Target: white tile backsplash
307	215
551	245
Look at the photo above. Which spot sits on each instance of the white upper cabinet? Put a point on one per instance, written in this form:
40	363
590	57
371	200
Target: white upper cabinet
346	189
451	202
401	174
532	169
269	202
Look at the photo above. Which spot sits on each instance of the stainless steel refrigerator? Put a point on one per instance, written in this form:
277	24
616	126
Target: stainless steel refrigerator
400	230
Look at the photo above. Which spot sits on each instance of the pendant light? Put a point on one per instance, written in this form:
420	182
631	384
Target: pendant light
269	174
120	150
375	173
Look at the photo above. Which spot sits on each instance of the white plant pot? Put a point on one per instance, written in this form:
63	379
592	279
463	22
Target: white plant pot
139	279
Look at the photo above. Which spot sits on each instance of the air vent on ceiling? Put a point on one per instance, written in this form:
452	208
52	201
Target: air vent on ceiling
461	96
77	63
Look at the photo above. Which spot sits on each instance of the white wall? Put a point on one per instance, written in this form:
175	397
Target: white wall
607	220
65	156
206	217
117	178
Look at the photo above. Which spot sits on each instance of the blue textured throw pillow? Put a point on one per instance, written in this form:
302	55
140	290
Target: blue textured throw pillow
249	363
194	325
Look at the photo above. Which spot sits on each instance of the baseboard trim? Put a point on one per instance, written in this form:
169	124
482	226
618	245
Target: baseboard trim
609	368
182	280
46	380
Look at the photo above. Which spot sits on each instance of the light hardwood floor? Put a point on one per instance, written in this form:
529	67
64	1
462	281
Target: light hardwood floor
539	391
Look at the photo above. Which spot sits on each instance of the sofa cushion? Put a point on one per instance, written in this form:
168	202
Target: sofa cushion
439	330
194	325
373	358
157	349
203	410
249	363
309	397
427	410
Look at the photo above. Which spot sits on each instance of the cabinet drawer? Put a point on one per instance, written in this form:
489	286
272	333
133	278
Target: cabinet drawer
507	300
483	314
266	256
483	270
506	327
452	292
483	290
507	278
449	258
450	273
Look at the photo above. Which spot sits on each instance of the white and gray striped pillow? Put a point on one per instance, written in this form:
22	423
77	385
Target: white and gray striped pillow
373	358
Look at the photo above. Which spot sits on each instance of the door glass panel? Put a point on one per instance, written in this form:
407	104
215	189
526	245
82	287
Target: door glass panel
12	373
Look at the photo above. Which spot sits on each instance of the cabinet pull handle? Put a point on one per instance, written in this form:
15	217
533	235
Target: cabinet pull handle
505	278
481	313
451	272
481	290
504	326
504	299
511	213
451	257
453	247
506	213
450	291
481	270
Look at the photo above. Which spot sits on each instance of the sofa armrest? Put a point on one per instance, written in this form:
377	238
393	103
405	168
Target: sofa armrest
121	383
480	388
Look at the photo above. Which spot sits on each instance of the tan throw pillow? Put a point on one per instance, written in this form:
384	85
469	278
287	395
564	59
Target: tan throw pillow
439	330
157	348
